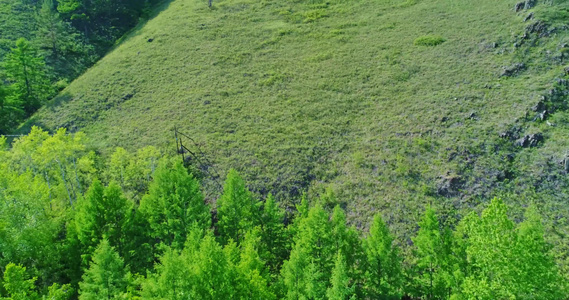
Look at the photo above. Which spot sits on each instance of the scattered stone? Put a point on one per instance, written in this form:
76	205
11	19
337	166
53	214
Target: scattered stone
550	124
543	115
513	70
150	40
530	4
528	17
512	133
539	28
206	102
562	82
472	116
444	119
540	105
530	140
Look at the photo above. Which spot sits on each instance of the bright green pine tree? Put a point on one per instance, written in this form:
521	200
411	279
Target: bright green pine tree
340	285
383	277
491	254
537	274
237	211
307	272
255	282
173	204
26	72
346	240
17	284
215	272
106	277
104	212
428	246
173	279
274	238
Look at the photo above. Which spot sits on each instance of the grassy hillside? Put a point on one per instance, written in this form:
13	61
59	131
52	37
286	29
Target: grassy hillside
344	96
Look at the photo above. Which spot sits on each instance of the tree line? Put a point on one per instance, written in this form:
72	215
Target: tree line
46	44
74	225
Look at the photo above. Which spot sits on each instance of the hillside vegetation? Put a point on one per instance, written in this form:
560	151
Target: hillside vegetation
389	105
136	226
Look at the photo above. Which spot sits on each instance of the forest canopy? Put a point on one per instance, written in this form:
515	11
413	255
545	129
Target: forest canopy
75	225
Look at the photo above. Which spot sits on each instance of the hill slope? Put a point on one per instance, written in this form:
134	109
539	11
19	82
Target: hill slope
315	95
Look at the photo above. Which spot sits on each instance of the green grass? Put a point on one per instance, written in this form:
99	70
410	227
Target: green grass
429	40
315	96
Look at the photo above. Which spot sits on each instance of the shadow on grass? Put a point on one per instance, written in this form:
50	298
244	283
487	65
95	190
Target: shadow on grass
159	8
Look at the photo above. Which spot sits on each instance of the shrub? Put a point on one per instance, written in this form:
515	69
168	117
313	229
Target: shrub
429	40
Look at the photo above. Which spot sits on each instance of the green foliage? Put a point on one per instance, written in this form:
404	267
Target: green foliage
307	272
17	284
340	288
171	245
383	274
26	72
104	213
106	277
237	210
431	257
429	40
274	238
173	205
57	292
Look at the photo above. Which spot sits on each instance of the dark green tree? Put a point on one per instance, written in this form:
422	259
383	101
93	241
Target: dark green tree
26	72
59	42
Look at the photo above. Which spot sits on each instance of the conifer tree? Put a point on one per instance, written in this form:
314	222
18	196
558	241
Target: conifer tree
537	274
252	269
340	288
103	212
58	42
237	211
106	277
490	251
11	111
307	272
173	204
429	261
27	74
274	238
383	269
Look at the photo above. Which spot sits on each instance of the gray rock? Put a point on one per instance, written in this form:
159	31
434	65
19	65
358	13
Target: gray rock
529	17
513	70
530	140
540	105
